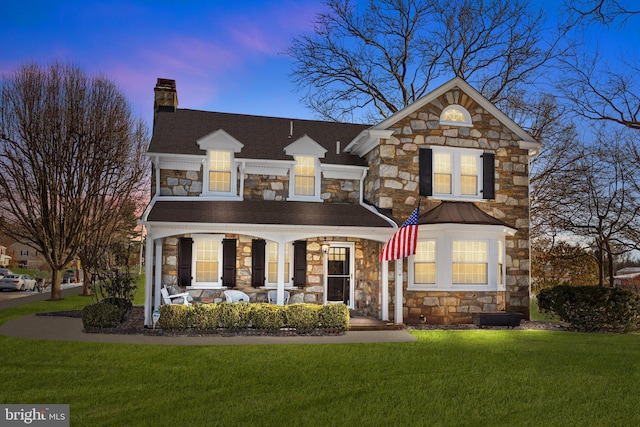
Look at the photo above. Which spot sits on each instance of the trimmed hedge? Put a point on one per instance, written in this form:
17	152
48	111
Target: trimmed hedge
303	318
592	308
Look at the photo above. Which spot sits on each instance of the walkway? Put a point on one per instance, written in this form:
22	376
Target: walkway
70	329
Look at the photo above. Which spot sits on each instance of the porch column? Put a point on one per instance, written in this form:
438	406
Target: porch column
158	274
281	273
148	281
385	290
398	284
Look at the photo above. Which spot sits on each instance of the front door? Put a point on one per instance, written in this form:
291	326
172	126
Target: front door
339	275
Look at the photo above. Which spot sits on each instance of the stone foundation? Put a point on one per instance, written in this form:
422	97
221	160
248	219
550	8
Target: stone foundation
449	308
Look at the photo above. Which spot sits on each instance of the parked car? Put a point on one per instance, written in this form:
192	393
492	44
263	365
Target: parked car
18	282
4	272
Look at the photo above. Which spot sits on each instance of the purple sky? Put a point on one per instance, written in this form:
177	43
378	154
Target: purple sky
224	55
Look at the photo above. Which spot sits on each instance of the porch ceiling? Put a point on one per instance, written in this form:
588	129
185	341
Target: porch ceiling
265	212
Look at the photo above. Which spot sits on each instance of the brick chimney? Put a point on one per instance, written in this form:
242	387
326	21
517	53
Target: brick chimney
166	96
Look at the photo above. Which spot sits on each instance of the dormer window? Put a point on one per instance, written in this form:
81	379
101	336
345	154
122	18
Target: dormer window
220	171
455	115
304	176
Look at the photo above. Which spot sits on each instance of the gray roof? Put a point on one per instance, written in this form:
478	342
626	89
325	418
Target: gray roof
265	212
459	213
263	137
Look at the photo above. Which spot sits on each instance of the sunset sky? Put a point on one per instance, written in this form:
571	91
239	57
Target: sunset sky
224	55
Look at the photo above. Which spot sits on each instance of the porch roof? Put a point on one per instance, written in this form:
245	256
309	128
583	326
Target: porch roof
265	212
459	213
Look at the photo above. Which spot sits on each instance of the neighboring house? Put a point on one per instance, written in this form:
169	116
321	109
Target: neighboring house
26	257
4	258
628	278
259	203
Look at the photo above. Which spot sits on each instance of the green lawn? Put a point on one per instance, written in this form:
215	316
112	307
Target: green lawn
471	378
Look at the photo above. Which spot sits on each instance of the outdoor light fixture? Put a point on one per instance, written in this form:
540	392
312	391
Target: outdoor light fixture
325	246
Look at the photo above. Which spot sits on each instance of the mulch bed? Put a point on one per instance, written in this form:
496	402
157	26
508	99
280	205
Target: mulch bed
134	325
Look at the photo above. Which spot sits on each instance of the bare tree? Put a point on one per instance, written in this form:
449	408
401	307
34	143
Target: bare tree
598	199
601	11
378	57
70	155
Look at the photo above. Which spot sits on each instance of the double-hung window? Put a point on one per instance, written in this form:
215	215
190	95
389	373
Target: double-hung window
272	264
469	263
456	173
220	171
424	266
449	260
305	179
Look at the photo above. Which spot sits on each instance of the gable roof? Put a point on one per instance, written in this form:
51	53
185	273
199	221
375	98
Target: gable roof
376	131
263	137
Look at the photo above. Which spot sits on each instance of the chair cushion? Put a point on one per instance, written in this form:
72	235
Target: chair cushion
174	290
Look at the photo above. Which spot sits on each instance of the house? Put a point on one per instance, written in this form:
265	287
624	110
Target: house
265	203
4	258
628	278
24	256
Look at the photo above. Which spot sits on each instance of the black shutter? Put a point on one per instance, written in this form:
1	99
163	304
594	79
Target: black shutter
185	248
300	263
229	262
425	163
257	262
488	176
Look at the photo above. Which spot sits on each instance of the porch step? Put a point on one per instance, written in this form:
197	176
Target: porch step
358	323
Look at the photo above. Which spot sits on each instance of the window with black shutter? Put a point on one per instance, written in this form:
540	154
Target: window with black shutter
488	176
229	262
258	272
185	246
425	163
300	263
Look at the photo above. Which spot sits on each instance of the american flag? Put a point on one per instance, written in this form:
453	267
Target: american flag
403	243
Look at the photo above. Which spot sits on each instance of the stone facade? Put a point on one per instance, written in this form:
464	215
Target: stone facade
394	178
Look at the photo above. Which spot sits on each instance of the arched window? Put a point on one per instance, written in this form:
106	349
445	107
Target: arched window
455	115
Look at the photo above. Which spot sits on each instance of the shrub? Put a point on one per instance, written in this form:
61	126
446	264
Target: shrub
174	316
267	316
101	315
234	316
592	308
302	317
122	303
334	316
205	316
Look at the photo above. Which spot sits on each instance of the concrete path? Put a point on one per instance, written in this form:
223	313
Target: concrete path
60	328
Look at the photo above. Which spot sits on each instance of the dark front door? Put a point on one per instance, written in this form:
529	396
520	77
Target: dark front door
338	275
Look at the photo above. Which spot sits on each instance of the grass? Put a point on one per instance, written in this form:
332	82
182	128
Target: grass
470	378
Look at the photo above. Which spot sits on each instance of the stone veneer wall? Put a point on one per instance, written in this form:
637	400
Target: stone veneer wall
340	190
266	187
180	183
367	289
392	183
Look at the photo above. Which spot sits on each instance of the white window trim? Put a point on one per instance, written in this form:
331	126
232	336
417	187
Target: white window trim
455	154
444	258
467	117
317	183
232	194
289	274
206	285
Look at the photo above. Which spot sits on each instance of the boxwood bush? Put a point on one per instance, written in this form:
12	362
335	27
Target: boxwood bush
267	316
592	308
175	317
334	316
101	315
303	318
